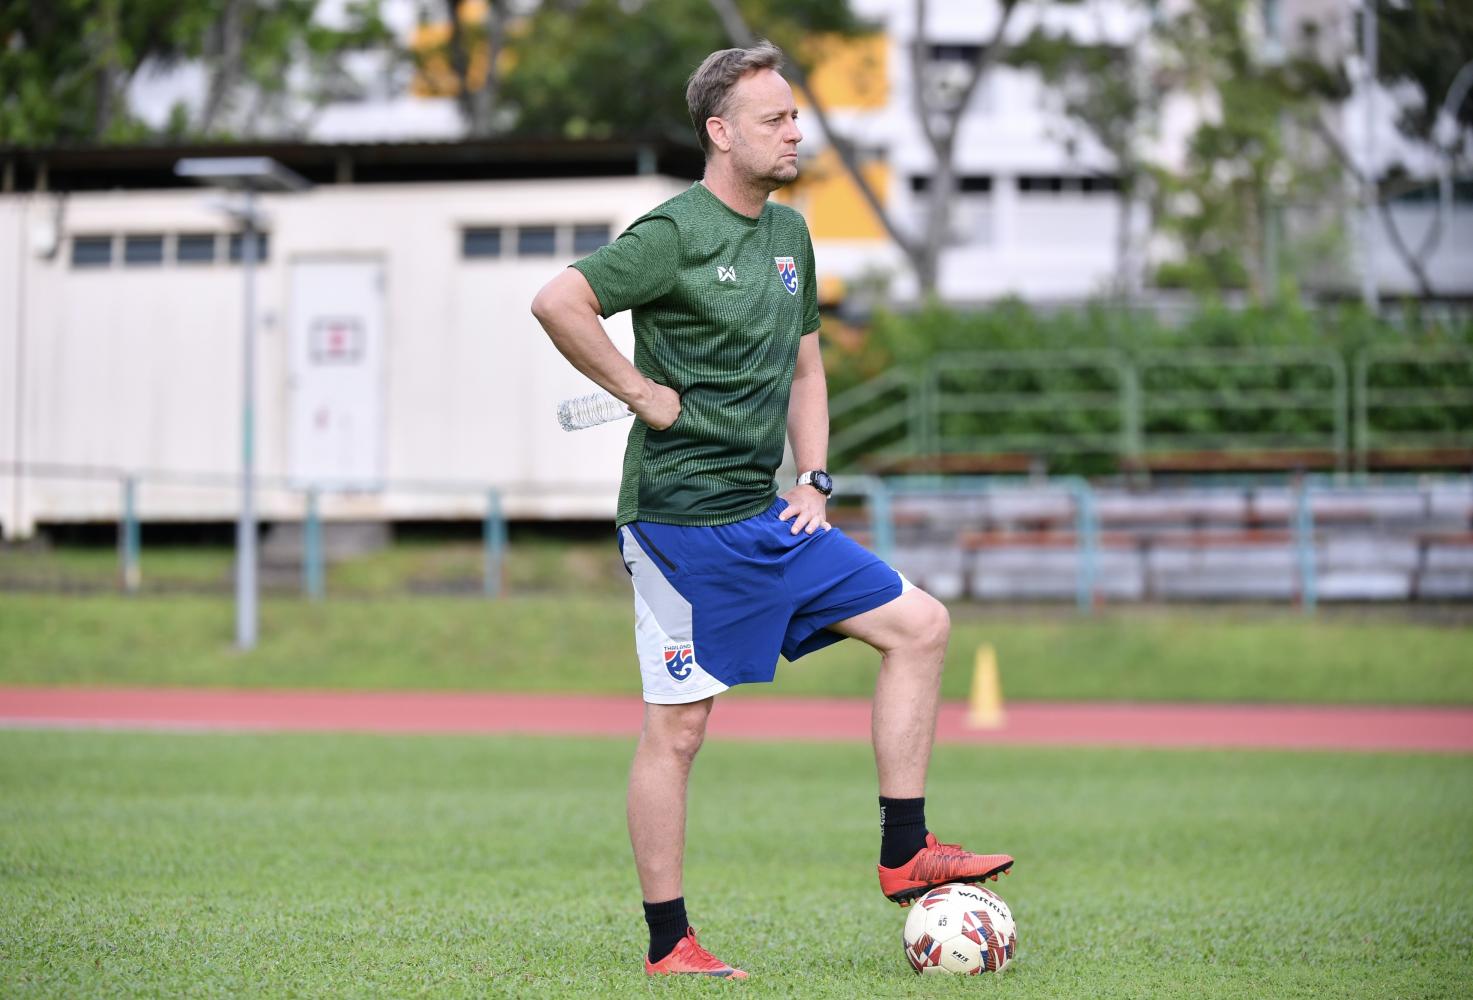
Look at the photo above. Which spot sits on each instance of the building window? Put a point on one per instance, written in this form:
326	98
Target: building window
92	251
1427	192
1041	185
970	184
587	239
536	241
195	248
1068	185
143	251
963	53
237	247
969	222
480	242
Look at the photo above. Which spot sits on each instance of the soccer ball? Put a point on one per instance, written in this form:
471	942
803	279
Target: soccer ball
961	929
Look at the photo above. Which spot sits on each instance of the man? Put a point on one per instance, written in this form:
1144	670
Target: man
726	574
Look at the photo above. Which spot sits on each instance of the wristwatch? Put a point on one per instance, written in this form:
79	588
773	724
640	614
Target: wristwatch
819	480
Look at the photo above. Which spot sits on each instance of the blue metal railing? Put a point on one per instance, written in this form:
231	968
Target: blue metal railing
1304	547
313	557
313	583
881	493
1293	506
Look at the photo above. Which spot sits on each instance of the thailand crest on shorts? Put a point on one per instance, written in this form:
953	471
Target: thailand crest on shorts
679	659
788	271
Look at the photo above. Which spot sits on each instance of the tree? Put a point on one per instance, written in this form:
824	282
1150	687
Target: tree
603	68
1423	47
1264	143
939	111
1250	155
1107	91
598	68
66	66
463	58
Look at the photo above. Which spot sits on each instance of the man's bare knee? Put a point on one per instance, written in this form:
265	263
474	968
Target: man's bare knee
930	625
677	730
686	742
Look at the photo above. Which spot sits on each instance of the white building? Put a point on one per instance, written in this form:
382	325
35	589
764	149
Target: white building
397	357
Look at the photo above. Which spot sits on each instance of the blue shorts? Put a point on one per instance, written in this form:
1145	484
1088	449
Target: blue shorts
714	606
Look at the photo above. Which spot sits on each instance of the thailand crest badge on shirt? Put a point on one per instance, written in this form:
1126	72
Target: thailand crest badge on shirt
788	271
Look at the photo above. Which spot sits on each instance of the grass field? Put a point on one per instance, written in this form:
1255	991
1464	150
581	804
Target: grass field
564	643
312	865
316	865
532	564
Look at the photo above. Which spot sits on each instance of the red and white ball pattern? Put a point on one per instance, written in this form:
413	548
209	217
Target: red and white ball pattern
962	929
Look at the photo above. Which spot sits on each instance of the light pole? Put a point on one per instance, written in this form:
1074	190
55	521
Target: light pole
247	175
1370	193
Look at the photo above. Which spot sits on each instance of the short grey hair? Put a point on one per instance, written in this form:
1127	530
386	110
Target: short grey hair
708	92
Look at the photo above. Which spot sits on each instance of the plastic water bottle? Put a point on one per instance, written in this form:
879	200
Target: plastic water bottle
590	411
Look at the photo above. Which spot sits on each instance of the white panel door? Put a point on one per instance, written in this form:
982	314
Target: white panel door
337	372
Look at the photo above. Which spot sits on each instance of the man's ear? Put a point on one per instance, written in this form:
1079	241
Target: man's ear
719	133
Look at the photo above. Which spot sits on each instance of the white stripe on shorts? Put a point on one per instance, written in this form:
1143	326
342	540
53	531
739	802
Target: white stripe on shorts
662	620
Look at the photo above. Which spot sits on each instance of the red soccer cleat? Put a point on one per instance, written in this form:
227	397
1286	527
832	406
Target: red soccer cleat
937	864
689	958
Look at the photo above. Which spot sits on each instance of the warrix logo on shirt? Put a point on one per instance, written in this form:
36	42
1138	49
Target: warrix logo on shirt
787	269
725	273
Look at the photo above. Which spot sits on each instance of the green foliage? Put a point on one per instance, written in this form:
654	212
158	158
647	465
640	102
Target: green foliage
911	339
398	866
65	67
598	70
1066	394
601	68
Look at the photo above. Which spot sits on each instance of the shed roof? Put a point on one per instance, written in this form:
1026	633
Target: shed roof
69	168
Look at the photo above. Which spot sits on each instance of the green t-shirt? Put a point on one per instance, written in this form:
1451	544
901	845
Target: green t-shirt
720	301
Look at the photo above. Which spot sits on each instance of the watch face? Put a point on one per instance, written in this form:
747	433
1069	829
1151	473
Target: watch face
823	482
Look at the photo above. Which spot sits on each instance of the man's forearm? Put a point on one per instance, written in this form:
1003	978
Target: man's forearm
808	421
572	324
588	348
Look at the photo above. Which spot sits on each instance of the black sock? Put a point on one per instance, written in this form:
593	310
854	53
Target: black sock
668	925
902	830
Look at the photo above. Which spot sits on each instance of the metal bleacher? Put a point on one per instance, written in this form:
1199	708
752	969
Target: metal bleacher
1015	539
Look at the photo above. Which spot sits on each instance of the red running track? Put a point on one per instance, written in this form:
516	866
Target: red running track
760	718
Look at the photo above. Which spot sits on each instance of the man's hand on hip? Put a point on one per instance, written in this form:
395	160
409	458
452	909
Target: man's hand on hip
806	506
659	407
